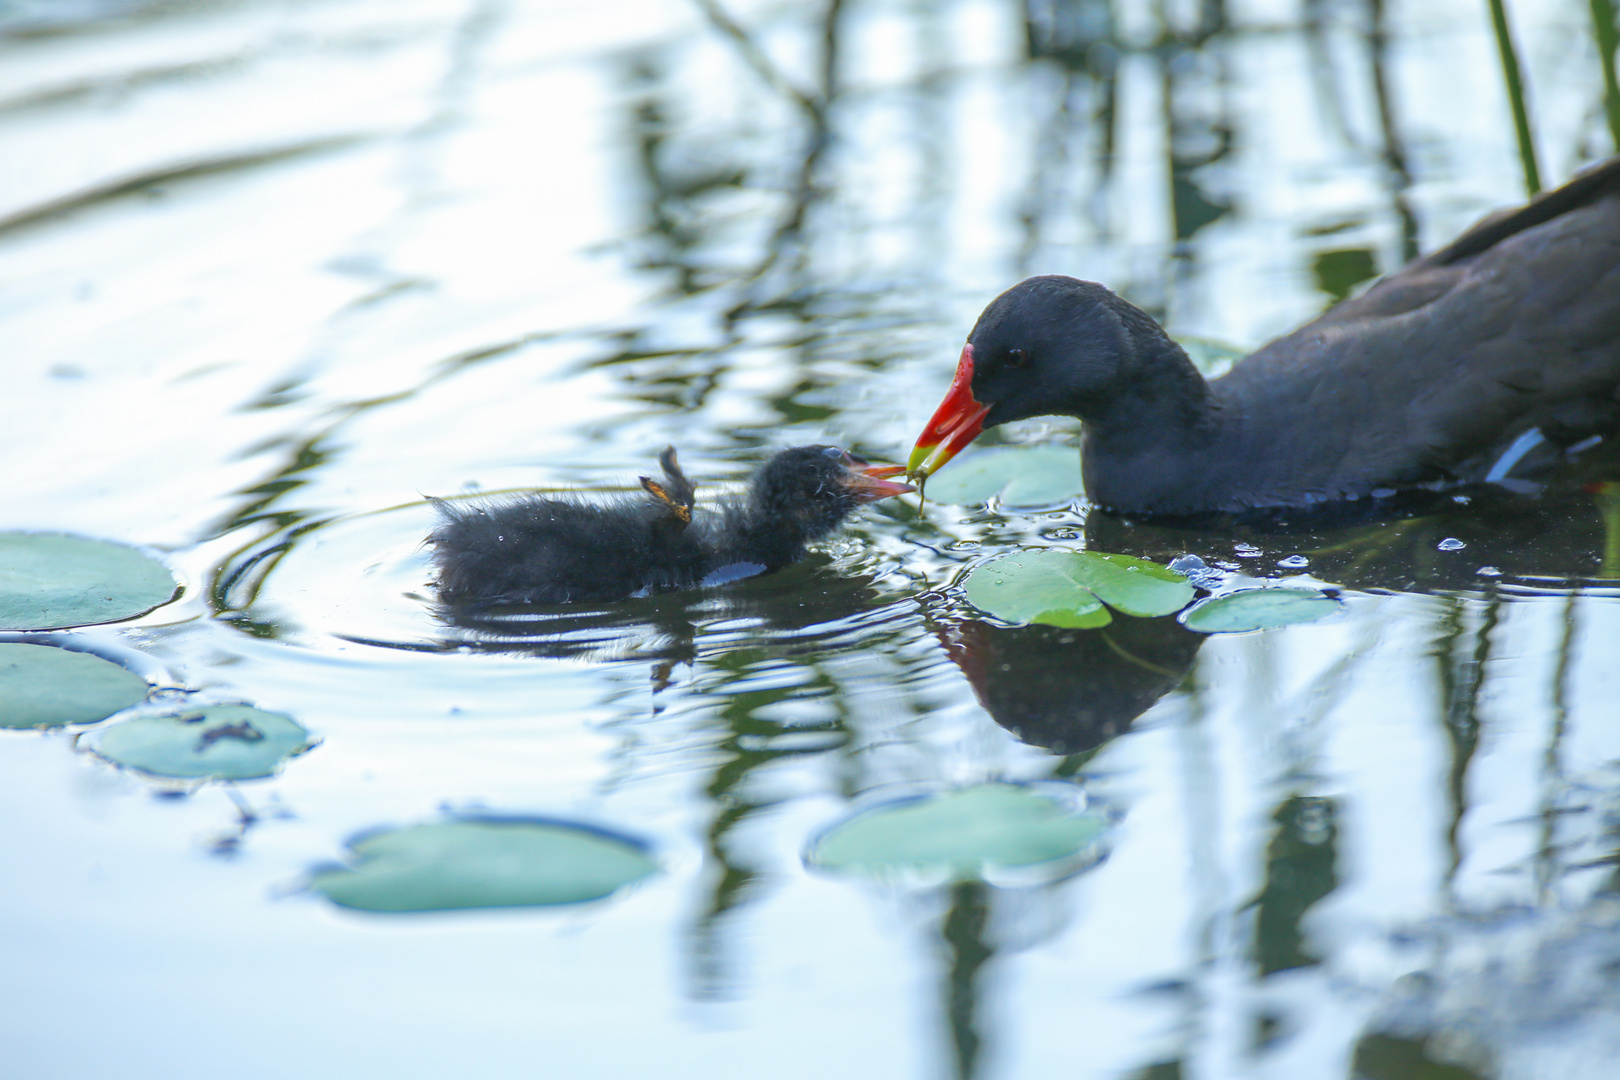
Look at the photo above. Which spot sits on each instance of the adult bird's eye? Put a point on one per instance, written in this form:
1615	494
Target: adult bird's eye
1017	358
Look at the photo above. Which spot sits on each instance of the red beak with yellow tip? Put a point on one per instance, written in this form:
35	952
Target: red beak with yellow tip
957	422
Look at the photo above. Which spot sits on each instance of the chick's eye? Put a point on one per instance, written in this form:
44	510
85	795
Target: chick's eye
832	452
1017	358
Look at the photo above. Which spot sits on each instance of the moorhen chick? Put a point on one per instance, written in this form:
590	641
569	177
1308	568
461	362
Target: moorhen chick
537	549
1445	371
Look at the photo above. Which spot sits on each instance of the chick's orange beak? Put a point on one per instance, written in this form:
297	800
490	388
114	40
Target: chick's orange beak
957	422
871	482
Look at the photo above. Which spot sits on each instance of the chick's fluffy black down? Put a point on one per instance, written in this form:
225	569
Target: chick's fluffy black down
536	550
558	550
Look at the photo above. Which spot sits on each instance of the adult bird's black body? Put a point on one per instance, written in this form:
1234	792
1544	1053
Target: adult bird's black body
548	550
1427	377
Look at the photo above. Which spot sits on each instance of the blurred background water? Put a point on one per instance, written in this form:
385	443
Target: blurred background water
271	271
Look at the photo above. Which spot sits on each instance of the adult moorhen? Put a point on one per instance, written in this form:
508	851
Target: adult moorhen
1508	335
538	549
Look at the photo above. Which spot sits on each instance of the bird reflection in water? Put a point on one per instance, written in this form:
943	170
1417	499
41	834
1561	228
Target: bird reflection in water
1070	691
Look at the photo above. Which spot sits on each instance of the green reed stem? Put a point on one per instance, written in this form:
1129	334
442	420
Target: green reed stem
1515	89
1608	41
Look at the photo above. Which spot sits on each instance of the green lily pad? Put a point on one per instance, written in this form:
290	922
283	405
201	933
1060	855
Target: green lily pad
484	863
43	686
53	580
1258	609
957	835
1058	587
219	742
1021	475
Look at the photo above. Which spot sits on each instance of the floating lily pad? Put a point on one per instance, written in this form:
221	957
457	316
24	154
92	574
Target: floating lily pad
53	580
1069	588
43	686
219	742
969	833
1021	475
484	863
1258	609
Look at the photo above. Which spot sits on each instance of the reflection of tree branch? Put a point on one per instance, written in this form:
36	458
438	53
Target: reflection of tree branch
1394	149
1198	134
671	218
1301	870
1081	42
1332	90
756	58
1462	685
751	743
1547	858
807	191
964	933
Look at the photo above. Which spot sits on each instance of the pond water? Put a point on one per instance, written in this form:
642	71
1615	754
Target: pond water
275	270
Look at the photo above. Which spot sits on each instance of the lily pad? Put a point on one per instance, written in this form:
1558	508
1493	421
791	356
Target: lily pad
963	834
1258	609
53	580
1021	475
1069	588
43	686
219	742
484	863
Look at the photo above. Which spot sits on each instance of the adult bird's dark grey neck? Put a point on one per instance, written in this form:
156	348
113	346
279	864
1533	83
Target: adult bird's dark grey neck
1156	392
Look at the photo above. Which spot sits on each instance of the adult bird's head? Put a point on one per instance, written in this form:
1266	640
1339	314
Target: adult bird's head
1049	346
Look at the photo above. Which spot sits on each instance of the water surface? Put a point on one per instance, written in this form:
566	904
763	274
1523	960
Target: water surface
273	271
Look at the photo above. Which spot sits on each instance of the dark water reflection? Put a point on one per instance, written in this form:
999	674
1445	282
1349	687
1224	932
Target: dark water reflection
328	257
1070	691
809	603
1556	535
